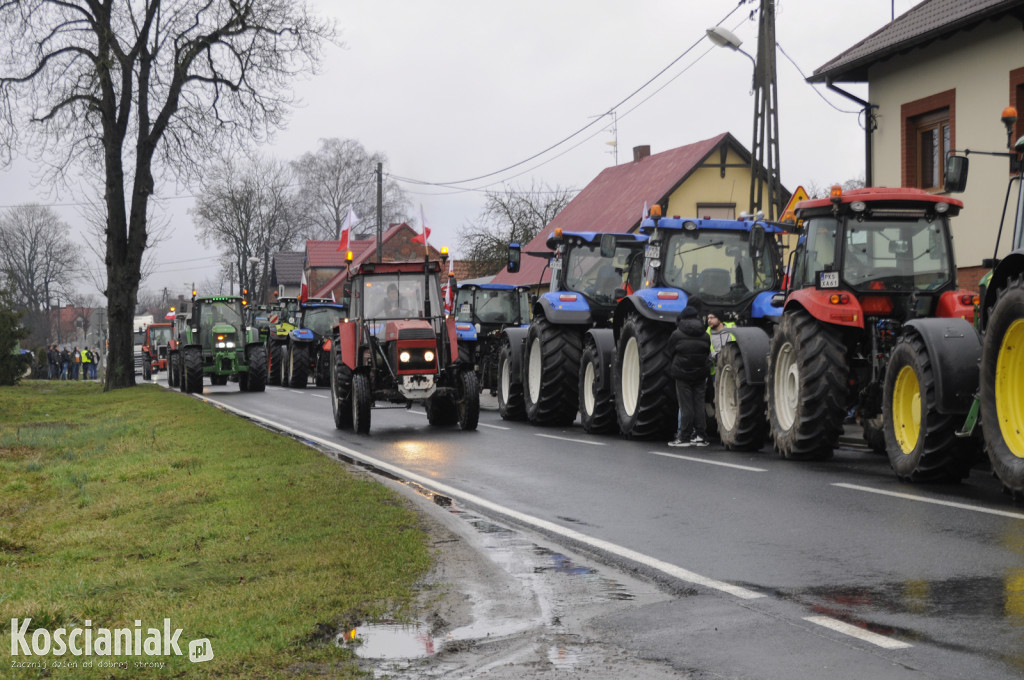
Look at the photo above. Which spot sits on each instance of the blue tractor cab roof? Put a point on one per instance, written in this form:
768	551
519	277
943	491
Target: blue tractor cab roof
690	223
593	237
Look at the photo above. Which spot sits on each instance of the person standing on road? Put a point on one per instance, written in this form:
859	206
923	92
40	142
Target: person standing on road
86	372
690	369
720	334
53	357
65	363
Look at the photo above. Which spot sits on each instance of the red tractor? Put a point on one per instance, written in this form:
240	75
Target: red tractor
154	349
869	266
397	347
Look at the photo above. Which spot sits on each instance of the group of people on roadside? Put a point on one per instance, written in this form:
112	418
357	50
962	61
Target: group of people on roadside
73	364
693	357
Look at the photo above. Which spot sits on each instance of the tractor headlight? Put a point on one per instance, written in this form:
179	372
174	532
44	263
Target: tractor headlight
428	356
404	357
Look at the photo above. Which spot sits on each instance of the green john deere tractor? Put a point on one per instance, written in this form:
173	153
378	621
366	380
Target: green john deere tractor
218	343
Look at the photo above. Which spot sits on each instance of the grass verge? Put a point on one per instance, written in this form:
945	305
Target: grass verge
145	505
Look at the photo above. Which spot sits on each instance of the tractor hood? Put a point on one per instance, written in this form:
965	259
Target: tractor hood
406	329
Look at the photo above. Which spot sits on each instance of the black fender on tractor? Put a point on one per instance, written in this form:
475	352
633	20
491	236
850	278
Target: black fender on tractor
753	345
954	350
1009	266
633	303
604	340
517	343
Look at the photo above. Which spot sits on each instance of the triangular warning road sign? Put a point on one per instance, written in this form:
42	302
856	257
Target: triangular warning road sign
789	214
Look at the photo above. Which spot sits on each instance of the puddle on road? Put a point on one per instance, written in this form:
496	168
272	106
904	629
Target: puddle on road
394	641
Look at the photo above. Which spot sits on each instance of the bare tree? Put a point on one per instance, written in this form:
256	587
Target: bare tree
512	216
341	174
131	89
38	254
247	208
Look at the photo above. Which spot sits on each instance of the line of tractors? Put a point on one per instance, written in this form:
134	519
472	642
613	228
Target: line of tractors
862	321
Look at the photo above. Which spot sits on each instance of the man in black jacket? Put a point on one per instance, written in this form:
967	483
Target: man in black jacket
690	368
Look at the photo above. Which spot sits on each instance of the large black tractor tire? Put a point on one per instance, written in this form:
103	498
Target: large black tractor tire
739	405
551	373
273	363
192	373
341	390
511	405
1002	387
256	356
807	388
147	369
282	367
921	442
172	369
322	373
298	366
441	411
362	403
467	406
645	401
597	405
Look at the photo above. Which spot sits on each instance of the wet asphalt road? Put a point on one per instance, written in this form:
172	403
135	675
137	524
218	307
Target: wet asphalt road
784	569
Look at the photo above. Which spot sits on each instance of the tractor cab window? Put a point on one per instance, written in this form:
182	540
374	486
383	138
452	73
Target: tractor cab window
160	335
399	296
597	277
494	306
321	320
820	251
717	265
897	255
216	313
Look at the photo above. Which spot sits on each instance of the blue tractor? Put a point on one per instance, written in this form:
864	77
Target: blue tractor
539	366
734	268
482	312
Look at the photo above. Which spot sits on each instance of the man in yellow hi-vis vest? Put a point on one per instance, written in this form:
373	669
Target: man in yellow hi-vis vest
718	330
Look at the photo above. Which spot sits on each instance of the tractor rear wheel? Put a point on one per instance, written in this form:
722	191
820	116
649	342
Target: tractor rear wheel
739	405
192	375
341	390
510	393
256	356
1002	386
362	402
147	370
921	442
645	401
467	405
807	388
172	369
551	378
298	366
597	405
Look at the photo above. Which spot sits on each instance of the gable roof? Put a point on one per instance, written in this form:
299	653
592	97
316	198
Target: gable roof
931	20
288	267
615	199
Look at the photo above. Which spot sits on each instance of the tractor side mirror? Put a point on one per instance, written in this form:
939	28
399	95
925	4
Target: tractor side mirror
607	246
956	174
515	256
757	239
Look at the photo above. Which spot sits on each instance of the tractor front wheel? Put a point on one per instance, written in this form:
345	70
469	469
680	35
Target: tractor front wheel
341	390
551	378
807	388
192	375
1002	386
467	405
597	405
256	356
362	403
920	441
510	393
739	405
298	366
645	401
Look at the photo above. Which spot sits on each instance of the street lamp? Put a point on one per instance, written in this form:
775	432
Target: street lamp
723	37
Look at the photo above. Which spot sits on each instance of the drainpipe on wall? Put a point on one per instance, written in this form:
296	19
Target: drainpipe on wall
869	127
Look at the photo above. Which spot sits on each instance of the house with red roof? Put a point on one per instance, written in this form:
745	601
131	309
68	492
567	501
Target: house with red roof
710	178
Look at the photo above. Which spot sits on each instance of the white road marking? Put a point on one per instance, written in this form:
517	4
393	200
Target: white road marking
933	501
545	525
493	427
747	468
857	632
567	439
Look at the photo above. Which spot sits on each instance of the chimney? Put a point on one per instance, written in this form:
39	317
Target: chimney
641	152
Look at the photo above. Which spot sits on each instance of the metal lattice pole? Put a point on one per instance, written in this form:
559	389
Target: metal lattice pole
765	152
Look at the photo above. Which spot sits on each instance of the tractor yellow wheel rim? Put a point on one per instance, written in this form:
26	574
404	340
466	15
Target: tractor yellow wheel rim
906	409
1010	388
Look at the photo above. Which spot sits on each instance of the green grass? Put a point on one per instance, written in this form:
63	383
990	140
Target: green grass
143	504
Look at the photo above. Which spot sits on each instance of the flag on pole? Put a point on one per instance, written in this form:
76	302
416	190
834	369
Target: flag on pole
425	234
346	227
304	288
643	215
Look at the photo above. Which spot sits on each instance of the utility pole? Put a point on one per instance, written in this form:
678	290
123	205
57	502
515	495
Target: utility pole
765	152
380	208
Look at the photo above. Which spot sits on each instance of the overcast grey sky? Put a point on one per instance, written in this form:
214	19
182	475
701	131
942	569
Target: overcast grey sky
455	89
